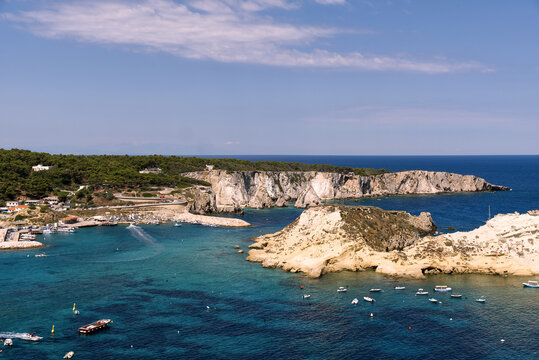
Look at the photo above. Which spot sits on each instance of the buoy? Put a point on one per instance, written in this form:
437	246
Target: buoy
52	331
74	306
450	318
372	315
409	328
502	340
76	312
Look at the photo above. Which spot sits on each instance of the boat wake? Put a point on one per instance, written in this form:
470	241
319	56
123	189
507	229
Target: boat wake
142	235
23	336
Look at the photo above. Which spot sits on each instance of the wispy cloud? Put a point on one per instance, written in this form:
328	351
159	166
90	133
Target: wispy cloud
229	31
230	142
331	2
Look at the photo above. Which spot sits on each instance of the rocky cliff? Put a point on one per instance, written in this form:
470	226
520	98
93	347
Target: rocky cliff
261	189
335	238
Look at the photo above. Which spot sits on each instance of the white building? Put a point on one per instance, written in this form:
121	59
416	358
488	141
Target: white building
12	203
209	167
151	171
40	167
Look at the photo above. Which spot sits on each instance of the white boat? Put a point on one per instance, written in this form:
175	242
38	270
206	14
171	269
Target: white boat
481	300
41	255
27	237
69	355
442	288
355	301
531	284
306	296
457	296
421	292
433	300
342	289
47	231
8	342
177	224
65	229
375	290
400	287
369	299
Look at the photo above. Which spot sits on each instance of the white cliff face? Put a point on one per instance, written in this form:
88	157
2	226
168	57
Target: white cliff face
335	238
239	189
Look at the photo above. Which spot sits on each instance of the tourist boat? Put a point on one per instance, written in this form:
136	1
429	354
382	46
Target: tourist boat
355	301
421	292
375	290
69	355
433	300
8	342
456	296
400	287
442	288
481	300
531	284
369	299
95	326
342	289
306	296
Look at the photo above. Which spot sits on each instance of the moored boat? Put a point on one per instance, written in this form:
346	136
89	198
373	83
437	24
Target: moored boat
433	300
531	284
400	287
442	288
375	290
8	342
421	292
369	299
355	301
456	296
481	300
95	326
306	296
69	355
342	289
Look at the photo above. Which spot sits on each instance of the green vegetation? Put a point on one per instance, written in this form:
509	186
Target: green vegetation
116	172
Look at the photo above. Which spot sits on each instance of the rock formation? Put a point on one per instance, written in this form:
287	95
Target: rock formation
238	189
334	238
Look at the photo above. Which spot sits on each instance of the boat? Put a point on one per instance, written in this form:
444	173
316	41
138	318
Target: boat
456	296
8	342
375	290
95	326
65	229
306	296
342	289
421	292
47	231
433	300
369	299
27	237
481	300
400	287
531	284
69	355
355	301
442	288
41	255
177	224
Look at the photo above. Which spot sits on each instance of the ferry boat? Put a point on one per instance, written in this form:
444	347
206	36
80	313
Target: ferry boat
531	284
95	326
442	288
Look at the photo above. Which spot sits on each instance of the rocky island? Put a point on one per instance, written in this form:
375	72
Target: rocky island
335	238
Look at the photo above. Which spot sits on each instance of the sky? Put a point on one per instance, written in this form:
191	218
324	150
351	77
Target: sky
306	77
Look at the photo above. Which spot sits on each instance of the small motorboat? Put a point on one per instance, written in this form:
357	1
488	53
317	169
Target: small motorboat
368	299
47	231
456	296
421	292
69	355
531	284
95	326
65	230
355	301
375	290
342	289
306	296
8	342
400	287
433	300
41	255
481	300
442	288
177	224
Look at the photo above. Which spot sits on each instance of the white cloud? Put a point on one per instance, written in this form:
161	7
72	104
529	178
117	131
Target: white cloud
230	31
331	2
230	142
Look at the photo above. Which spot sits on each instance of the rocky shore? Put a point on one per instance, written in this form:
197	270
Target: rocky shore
13	245
334	238
232	191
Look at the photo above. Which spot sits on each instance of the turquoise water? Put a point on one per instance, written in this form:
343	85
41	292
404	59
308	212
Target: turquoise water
157	281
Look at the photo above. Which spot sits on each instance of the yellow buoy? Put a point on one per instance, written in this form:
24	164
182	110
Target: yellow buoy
74	306
52	331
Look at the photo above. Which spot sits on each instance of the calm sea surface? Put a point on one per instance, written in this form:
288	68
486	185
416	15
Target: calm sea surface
184	292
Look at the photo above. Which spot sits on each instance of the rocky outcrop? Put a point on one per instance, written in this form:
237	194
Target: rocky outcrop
335	238
239	189
204	203
210	220
13	245
281	201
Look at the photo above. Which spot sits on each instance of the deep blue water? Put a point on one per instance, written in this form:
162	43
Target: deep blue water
158	284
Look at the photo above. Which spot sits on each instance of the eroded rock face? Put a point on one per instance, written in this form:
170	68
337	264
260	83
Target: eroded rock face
239	189
334	238
204	203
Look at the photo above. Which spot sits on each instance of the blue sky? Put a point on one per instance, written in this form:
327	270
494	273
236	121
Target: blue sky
270	77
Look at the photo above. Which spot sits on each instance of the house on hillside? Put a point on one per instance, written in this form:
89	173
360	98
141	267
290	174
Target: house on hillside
52	200
151	171
12	203
69	220
40	167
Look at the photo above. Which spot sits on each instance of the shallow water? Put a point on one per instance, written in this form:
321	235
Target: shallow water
157	281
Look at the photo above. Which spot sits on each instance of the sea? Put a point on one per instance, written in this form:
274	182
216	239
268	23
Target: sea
184	292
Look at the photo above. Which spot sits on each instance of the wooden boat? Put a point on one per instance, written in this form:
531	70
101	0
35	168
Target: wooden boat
531	284
369	299
95	326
